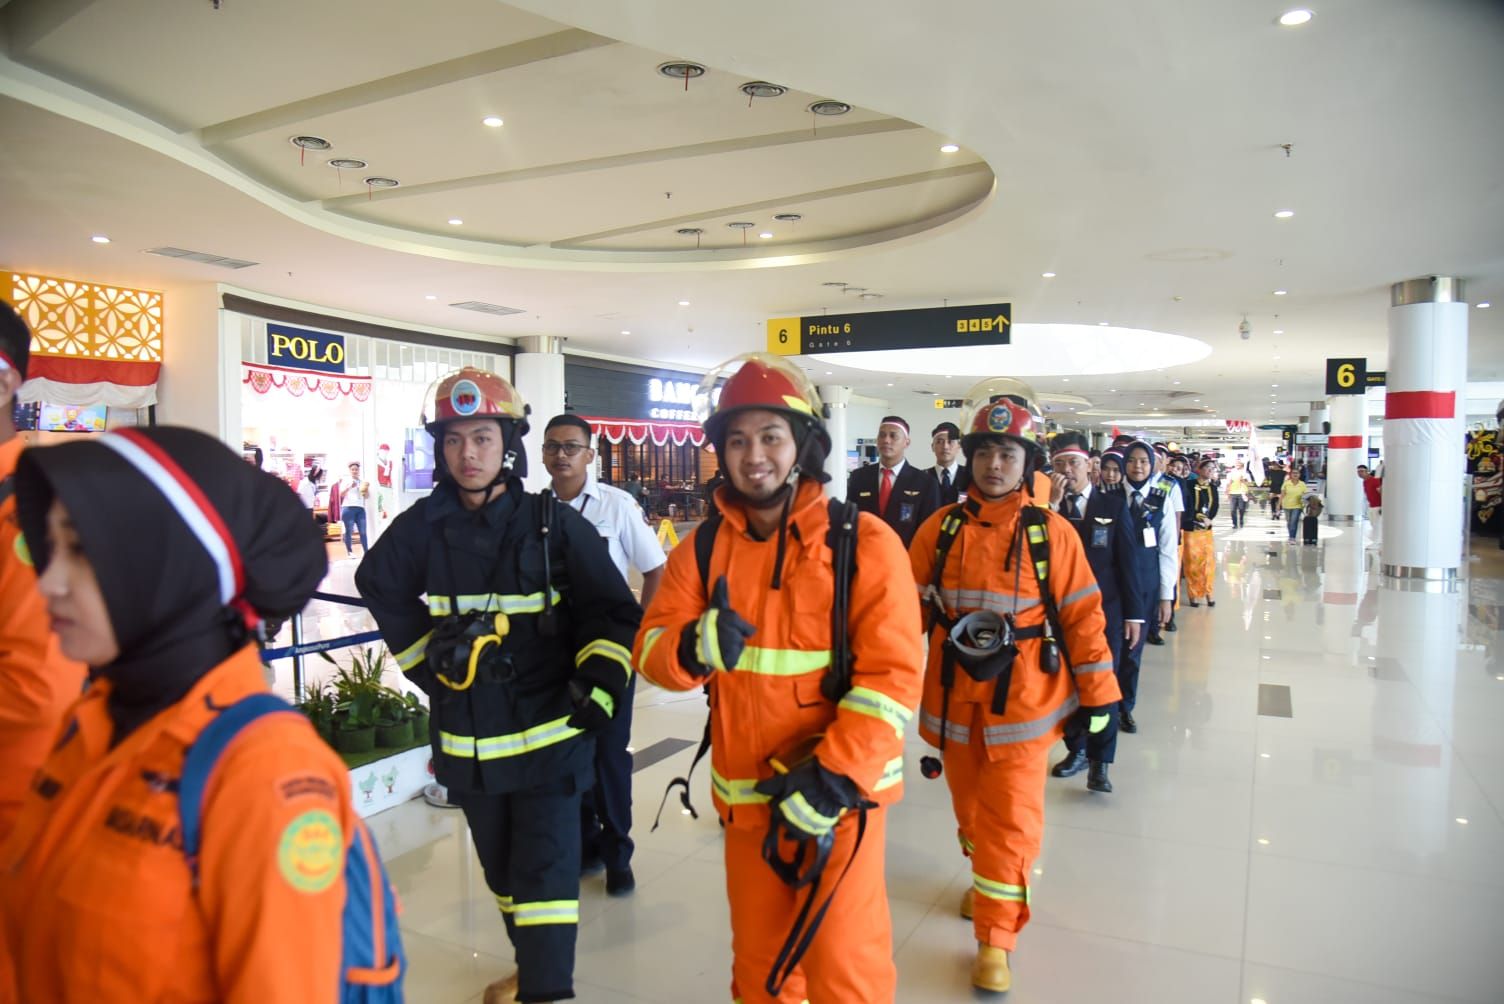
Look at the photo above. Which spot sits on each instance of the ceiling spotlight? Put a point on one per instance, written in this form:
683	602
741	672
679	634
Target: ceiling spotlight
347	164
1279	331
1295	18
950	148
788	217
311	142
682	70
763	89
382	182
683	303
890	385
689	231
741	225
491	120
100	239
430	296
1484	305
839	284
1284	214
1101	324
1065	379
455	221
872	296
1047	275
1280	292
829	108
625	332
855	289
766	235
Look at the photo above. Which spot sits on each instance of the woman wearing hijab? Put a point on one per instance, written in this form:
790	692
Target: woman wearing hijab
1200	557
157	551
1111	471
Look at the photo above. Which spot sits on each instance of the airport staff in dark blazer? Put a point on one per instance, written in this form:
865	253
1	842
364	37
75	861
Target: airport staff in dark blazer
1102	519
898	493
949	472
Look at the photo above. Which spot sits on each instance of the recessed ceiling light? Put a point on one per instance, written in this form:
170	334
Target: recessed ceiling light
828	373
683	303
625	332
1276	358
310	142
1295	18
1280	292
766	235
455	221
741	225
1484	305
788	217
1264	841
829	107
1198	400
1274	385
492	120
347	164
949	148
840	285
1177	383
382	182
1279	331
890	385
1141	404
1048	275
100	239
1284	214
1462	820
763	89
1065	379
430	296
1101	324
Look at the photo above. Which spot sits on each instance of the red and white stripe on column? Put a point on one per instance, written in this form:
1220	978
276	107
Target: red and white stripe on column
1424	494
1346	448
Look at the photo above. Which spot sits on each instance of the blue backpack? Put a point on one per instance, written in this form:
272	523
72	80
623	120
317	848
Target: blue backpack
373	962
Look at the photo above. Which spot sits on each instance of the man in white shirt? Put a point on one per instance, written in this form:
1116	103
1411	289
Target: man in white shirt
949	473
606	813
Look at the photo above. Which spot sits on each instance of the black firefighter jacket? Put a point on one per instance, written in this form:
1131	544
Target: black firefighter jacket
509	731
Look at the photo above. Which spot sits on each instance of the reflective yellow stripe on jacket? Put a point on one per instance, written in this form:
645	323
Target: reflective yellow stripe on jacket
516	744
506	603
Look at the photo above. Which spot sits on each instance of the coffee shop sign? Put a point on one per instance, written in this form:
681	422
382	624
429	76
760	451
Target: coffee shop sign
673	392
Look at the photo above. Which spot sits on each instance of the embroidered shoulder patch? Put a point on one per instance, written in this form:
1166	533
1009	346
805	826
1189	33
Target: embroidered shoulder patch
311	852
23	553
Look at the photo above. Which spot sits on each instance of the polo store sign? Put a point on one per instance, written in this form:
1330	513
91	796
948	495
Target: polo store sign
301	349
90	343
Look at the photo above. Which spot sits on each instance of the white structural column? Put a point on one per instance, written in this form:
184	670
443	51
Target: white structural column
1424	410
538	374
1319	416
1346	448
838	400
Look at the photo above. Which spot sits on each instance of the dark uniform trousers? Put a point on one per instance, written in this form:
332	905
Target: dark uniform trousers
528	845
606	811
1103	746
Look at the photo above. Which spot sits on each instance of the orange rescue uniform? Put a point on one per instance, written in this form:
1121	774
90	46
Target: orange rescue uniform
996	765
771	700
36	683
96	897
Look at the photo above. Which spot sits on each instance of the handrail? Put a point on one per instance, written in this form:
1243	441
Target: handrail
298	649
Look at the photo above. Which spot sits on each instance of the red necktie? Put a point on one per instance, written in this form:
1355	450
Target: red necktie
884	490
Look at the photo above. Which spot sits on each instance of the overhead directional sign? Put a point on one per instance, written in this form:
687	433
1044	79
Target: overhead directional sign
1376	378
949	402
933	327
1345	376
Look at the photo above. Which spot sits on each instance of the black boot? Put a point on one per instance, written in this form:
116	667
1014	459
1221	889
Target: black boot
1126	722
1096	779
1155	639
1170	624
1073	764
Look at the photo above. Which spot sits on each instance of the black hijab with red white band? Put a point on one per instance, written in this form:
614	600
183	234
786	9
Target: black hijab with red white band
191	547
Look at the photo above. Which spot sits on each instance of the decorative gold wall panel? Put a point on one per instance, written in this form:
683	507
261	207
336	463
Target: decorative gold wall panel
88	320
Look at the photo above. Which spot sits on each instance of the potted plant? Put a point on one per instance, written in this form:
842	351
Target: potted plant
393	726
355	729
419	715
318	705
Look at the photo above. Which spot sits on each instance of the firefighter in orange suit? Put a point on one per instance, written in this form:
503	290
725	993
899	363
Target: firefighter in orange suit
1017	645
98	901
36	682
757	627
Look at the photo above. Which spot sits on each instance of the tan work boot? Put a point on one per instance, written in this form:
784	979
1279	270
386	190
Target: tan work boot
990	971
502	991
966	898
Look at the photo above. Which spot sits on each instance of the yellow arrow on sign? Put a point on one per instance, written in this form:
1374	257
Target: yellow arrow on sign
999	321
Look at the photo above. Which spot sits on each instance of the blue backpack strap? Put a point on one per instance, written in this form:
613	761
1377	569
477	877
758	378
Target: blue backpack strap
204	754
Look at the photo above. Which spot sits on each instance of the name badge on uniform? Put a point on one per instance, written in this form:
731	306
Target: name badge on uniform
905	512
1149	539
864	495
1100	536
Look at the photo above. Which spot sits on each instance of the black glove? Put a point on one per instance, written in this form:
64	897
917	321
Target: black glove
593	707
810	799
717	639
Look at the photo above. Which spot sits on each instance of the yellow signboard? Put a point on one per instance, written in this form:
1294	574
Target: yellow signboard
933	327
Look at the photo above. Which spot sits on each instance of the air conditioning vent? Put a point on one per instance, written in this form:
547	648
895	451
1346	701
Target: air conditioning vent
202	257
488	308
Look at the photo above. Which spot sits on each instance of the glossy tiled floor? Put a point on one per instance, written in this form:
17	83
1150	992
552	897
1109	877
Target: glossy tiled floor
1352	852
